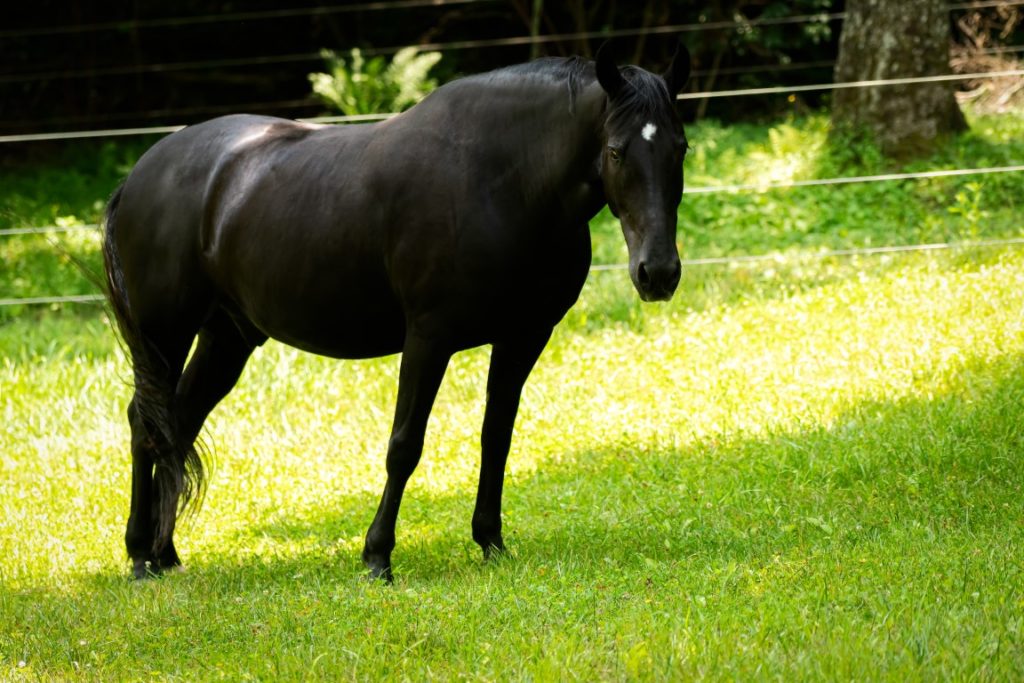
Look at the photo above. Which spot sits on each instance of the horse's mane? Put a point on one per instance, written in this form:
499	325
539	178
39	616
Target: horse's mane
569	70
644	93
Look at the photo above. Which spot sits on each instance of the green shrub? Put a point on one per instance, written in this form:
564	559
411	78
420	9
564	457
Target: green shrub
374	86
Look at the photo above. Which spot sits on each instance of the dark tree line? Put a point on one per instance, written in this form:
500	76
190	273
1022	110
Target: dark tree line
97	63
112	63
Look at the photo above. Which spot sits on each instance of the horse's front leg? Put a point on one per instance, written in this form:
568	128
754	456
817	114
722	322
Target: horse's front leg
511	363
423	366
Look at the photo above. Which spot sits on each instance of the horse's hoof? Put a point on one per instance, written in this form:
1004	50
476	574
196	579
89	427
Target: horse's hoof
142	570
145	569
383	574
168	560
494	550
377	570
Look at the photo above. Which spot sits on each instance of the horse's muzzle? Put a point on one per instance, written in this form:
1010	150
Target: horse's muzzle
657	281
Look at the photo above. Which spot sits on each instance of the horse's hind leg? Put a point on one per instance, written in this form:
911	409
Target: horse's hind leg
220	355
148	442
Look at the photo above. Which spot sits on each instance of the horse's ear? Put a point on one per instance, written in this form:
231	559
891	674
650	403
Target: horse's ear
678	72
608	74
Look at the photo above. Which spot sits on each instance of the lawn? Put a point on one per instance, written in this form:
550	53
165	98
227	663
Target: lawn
802	469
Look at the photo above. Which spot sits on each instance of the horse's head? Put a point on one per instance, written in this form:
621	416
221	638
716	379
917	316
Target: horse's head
642	167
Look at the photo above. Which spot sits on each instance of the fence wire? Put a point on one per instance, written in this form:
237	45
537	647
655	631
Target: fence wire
700	189
686	263
361	118
231	16
350	8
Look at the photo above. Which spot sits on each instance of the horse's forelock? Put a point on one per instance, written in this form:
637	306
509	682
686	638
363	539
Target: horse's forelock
645	94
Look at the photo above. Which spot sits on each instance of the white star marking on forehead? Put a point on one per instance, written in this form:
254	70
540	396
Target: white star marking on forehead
648	132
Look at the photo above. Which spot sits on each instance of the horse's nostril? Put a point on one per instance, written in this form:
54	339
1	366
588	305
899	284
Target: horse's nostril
643	276
677	273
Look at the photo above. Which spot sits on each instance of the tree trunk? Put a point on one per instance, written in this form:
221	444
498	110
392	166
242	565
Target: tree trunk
884	39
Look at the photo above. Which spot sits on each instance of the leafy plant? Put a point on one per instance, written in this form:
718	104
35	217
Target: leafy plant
968	206
373	86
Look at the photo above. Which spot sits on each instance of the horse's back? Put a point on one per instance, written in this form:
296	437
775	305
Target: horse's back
336	238
166	193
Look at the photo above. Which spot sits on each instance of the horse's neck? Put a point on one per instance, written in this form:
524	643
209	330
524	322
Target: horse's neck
555	147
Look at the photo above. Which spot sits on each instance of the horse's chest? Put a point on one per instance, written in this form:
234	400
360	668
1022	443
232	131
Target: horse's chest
538	281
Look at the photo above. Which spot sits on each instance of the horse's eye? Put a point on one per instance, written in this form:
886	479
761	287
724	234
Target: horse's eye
615	154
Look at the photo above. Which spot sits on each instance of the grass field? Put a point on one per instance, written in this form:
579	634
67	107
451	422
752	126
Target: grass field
807	469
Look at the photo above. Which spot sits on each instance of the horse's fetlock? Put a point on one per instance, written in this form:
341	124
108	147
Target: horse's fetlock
487	535
139	544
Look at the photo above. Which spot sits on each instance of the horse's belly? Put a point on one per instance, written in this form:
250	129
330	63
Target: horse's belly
371	339
342	317
338	331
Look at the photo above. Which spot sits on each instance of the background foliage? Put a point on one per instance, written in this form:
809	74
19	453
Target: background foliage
137	69
377	85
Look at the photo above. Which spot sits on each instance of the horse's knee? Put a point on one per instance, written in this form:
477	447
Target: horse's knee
144	438
403	455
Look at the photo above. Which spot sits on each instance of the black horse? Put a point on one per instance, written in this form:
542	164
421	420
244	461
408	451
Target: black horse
461	222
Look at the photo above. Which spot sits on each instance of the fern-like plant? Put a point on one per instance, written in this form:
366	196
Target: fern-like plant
374	86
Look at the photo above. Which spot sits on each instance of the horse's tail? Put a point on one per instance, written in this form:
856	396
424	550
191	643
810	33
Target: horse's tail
178	469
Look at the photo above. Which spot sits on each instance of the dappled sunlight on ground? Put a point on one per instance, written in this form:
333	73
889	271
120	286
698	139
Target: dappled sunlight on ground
779	364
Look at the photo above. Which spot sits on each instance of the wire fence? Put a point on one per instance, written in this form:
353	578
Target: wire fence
173	22
443	46
724	260
305	103
833	253
677	28
778	258
43	300
132	24
845	85
733	24
700	189
362	118
743	24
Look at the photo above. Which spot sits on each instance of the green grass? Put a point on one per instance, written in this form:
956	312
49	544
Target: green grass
798	470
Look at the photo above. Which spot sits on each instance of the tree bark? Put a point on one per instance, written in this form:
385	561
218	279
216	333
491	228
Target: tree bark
883	39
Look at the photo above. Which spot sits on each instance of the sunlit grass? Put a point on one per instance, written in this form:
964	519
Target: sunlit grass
812	482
